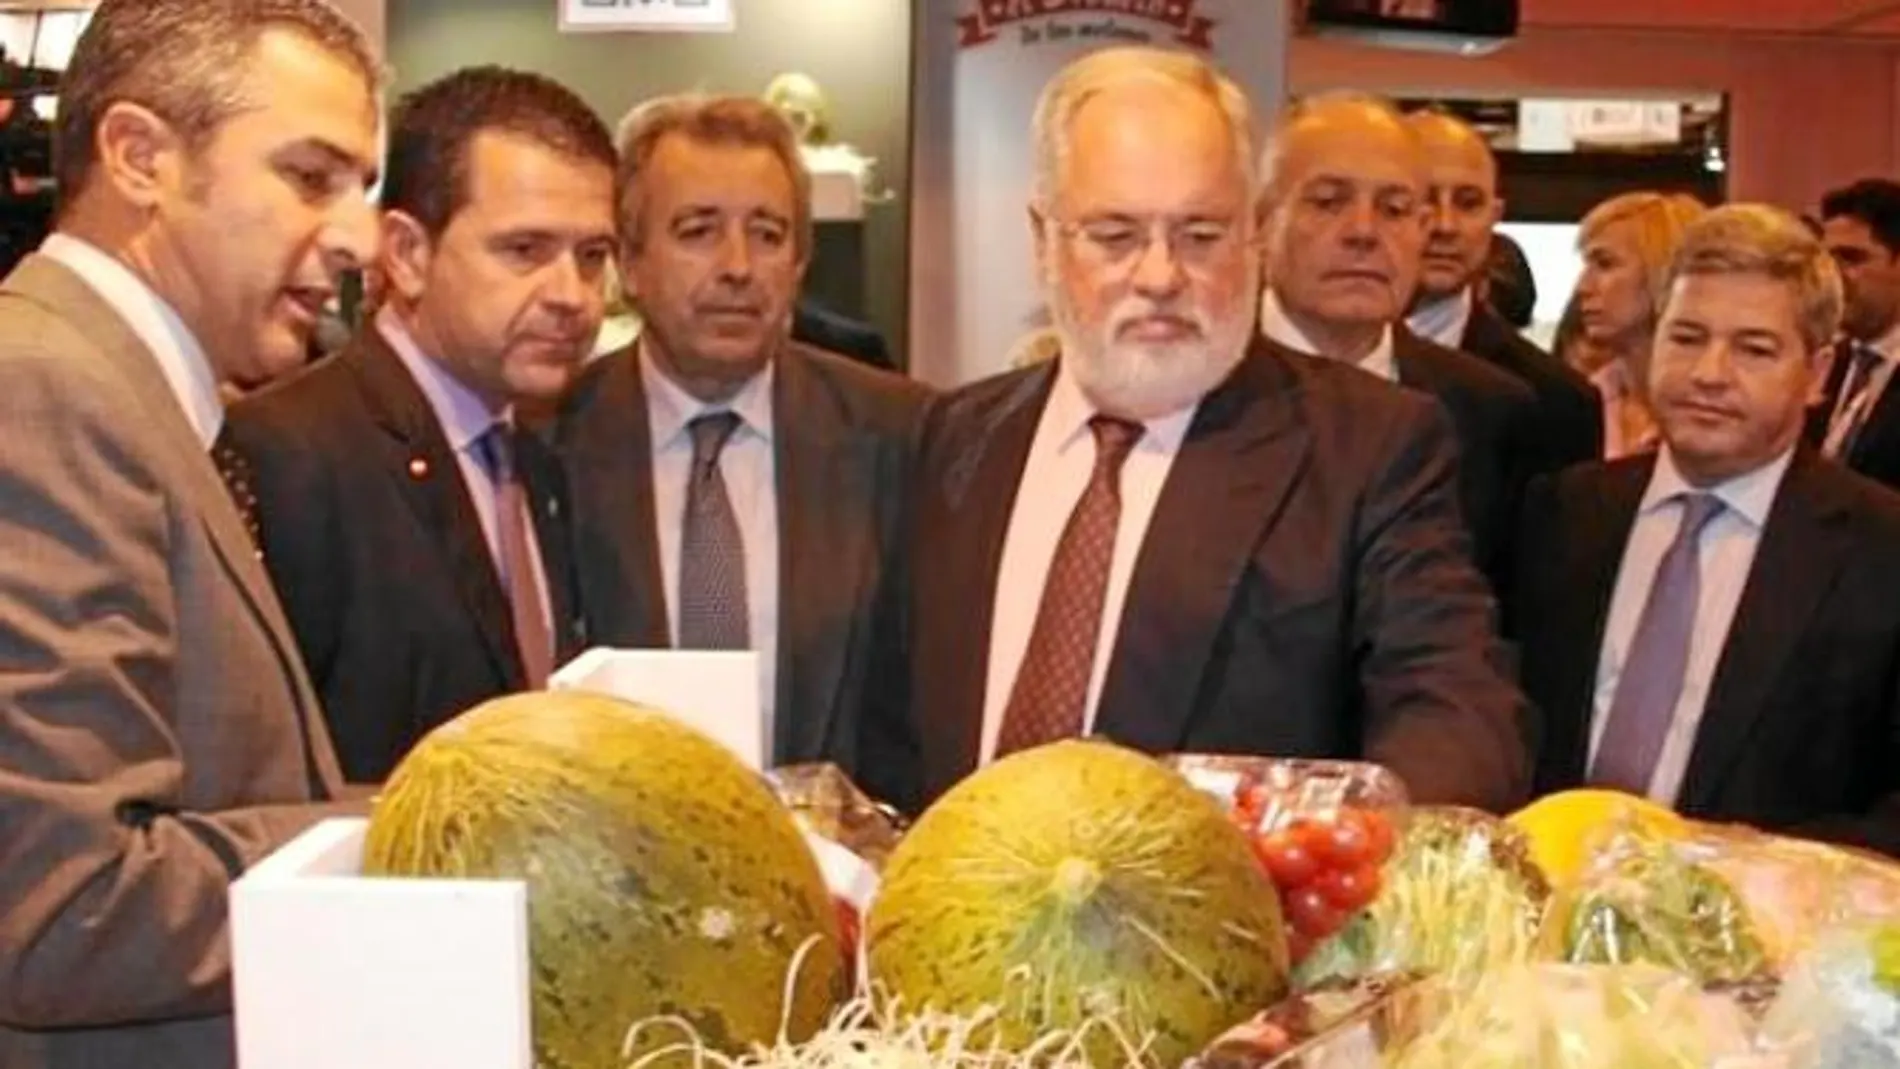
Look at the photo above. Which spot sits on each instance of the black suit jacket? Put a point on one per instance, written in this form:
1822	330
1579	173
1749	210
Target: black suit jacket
1802	727
845	438
375	548
1494	414
824	329
1304	588
1876	449
1569	419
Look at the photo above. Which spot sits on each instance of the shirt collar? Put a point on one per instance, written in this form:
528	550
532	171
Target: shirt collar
1444	320
181	359
1749	495
465	416
1887	345
1069	410
671	408
1279	327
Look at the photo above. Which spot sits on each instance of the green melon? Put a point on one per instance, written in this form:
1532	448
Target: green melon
1079	882
664	878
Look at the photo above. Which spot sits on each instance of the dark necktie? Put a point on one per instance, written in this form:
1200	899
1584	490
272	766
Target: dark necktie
1856	399
1656	664
712	608
516	564
1050	695
235	469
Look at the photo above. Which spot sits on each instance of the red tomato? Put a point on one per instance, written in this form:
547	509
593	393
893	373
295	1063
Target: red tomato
1298	945
1379	832
847	924
1311	914
1287	859
1343	843
1350	890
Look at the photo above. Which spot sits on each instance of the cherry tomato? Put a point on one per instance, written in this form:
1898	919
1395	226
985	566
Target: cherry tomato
1298	945
1343	843
847	924
1380	834
1287	859
1310	913
1350	890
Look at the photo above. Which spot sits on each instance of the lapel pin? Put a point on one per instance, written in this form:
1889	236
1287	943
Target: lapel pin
418	468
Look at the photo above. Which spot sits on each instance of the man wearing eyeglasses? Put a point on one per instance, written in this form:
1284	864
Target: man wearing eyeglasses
1178	534
1345	236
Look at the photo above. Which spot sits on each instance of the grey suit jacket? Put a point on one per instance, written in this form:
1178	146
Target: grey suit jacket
845	444
157	731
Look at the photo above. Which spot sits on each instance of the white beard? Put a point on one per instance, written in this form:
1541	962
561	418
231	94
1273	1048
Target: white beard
1143	381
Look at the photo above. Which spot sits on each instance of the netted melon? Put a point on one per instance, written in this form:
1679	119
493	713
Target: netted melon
1079	885
664	878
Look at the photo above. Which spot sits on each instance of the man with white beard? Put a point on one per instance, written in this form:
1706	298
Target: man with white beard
1176	534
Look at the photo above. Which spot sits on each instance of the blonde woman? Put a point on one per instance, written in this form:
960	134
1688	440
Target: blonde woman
1627	243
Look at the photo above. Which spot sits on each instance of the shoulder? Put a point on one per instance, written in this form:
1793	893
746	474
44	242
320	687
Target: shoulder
319	406
881	401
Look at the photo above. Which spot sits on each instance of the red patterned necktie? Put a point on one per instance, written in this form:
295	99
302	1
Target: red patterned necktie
1052	685
517	561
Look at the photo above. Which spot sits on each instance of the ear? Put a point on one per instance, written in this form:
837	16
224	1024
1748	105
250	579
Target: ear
1039	237
1497	210
626	256
406	254
140	155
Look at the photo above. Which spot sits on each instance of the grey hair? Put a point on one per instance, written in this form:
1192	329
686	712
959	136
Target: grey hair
1110	68
1757	239
1319	104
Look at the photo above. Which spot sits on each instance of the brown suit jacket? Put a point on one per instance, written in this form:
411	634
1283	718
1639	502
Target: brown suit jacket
844	446
157	732
1305	588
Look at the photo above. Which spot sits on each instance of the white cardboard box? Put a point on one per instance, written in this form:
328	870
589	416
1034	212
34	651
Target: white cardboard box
334	971
716	691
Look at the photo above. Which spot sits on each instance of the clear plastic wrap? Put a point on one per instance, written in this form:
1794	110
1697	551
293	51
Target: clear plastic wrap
1321	829
1839	1004
825	802
1461	898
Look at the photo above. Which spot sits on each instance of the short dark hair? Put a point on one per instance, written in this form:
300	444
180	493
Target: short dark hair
704	119
1873	201
187	61
433	127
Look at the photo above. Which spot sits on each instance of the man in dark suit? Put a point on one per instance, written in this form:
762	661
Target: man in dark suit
1714	626
1176	534
413	529
821	328
1346	224
733	489
1858	418
1463	207
158	734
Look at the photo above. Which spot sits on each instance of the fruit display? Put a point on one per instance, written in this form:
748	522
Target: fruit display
663	876
1082	887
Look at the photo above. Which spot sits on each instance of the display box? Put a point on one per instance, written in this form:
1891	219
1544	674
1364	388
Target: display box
334	971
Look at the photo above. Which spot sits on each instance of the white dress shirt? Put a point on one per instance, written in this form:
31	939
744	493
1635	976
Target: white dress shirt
1444	320
1278	327
1061	459
464	418
749	466
1727	553
181	359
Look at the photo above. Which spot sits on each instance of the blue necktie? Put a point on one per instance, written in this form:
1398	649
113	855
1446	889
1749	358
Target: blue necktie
713	612
1657	662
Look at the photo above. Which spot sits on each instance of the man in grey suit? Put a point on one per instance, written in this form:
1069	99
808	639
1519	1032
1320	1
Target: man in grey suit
157	731
731	488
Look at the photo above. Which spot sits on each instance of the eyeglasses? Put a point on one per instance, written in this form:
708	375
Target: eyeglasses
1121	242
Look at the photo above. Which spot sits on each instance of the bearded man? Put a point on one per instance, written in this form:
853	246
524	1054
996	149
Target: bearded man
1177	534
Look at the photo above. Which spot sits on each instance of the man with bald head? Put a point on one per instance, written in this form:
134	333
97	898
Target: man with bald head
1175	533
1462	205
1344	236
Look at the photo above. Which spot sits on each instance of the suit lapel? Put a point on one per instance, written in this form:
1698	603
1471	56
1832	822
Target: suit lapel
547	490
981	476
606	440
823	473
418	457
55	286
1247	447
1585	581
1795	568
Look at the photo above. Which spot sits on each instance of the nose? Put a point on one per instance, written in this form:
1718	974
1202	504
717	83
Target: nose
1438	215
567	288
1713	365
350	234
735	256
1360	226
1158	271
